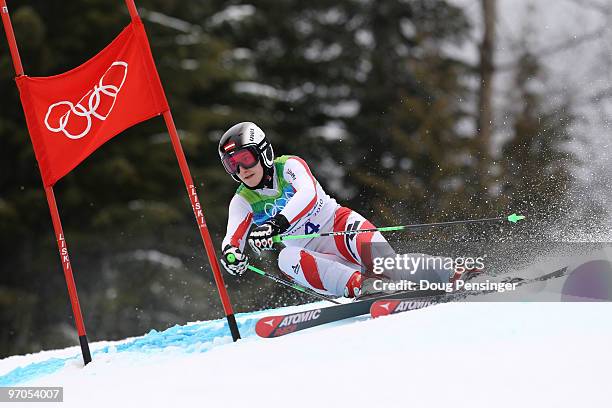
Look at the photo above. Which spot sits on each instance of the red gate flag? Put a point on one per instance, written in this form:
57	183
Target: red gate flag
72	114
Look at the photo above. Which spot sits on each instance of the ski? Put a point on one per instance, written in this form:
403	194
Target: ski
385	307
275	326
394	306
378	305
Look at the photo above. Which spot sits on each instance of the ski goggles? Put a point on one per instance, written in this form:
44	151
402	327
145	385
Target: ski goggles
245	158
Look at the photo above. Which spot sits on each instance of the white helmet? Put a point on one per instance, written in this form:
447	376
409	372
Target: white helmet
245	144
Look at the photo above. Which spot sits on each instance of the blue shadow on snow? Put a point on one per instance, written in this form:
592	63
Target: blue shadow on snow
197	337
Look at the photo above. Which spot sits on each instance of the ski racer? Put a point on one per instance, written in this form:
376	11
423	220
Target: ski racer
281	196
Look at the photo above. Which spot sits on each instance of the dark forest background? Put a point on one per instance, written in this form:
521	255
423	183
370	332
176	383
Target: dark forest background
392	124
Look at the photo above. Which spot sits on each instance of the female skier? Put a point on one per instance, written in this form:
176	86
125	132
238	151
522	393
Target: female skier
282	197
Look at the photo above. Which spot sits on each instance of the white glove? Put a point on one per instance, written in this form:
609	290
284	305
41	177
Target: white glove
234	261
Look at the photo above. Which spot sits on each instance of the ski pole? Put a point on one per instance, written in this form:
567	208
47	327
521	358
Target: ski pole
513	218
231	258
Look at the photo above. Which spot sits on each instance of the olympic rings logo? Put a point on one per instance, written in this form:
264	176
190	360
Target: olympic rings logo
118	70
271	209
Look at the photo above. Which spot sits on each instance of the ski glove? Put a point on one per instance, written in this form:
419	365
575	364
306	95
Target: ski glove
234	261
260	239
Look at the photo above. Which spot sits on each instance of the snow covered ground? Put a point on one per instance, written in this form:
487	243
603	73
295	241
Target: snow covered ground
459	354
489	352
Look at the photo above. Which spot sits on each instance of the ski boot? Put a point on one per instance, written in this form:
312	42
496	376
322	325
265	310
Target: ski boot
353	286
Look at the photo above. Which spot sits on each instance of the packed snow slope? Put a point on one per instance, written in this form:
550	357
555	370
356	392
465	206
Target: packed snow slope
458	354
